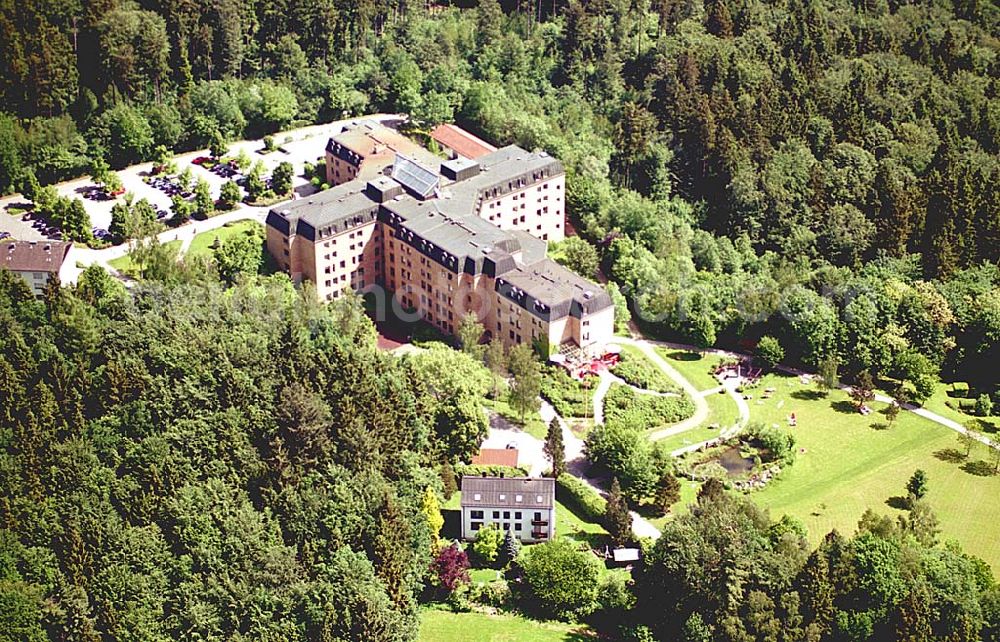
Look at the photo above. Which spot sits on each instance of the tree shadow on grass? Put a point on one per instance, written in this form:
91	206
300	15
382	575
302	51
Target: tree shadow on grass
594	541
950	455
898	502
879	425
845	407
984	426
808	395
452	528
683	355
979	468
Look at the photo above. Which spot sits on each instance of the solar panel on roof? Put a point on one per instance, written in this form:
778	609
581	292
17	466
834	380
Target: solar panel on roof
414	176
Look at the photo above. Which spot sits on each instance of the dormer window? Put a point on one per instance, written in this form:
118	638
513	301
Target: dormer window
477	497
538	499
518	498
503	497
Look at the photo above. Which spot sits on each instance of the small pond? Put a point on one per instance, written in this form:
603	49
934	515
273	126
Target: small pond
734	463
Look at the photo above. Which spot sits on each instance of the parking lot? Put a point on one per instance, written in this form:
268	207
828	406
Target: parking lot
298	146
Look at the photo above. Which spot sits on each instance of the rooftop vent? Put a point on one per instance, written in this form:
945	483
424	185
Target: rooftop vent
588	295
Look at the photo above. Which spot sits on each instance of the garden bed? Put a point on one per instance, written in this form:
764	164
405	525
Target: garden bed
570	397
635	368
625	405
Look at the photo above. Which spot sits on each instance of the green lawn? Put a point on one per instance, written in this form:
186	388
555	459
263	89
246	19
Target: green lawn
124	263
569	525
695	367
722	411
202	244
533	424
938	403
438	625
852	462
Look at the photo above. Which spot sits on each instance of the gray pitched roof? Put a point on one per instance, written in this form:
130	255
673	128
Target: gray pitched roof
447	228
533	492
551	291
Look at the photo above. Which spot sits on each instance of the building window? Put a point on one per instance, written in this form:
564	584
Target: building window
506	526
517	527
476	525
517	515
538	499
496	514
506	513
476	514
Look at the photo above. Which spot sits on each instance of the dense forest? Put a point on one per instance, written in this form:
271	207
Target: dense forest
196	461
182	465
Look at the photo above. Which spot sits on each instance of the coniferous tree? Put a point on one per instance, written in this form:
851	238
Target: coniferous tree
449	480
917	486
817	593
719	21
508	550
554	448
617	518
668	492
390	549
431	509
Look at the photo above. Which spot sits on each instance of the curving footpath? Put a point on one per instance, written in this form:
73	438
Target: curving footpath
577	464
917	410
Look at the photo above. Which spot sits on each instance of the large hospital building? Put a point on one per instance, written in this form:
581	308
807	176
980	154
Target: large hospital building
444	236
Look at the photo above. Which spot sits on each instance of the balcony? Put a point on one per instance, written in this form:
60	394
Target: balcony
539	534
539	522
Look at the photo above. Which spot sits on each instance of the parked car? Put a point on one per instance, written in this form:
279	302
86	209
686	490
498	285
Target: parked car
201	160
4	235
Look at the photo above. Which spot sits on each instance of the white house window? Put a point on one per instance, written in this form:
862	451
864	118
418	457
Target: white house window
503	497
538	499
477	497
518	498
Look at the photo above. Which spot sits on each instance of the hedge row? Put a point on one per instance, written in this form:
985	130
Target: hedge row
580	498
481	470
638	370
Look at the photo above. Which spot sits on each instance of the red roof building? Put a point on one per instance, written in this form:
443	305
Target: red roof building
35	261
458	142
496	457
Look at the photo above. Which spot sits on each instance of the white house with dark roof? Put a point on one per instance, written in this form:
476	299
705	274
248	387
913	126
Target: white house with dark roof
525	506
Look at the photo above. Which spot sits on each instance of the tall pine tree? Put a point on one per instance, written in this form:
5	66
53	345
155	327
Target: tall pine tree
616	516
555	449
